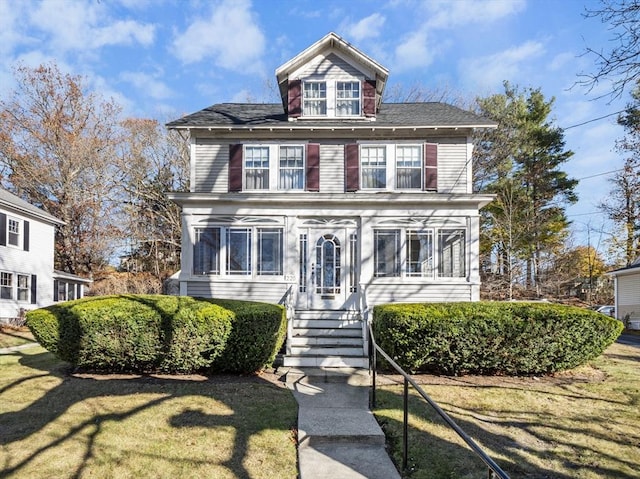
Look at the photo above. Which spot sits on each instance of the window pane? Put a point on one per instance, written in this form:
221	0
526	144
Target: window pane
239	251
451	248
23	287
386	253
314	98
71	292
373	164
408	167
270	251
62	291
256	167
347	98
206	251
291	168
6	286
14	232
420	253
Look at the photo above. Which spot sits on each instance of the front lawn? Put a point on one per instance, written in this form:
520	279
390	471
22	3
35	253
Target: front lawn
582	423
58	424
10	336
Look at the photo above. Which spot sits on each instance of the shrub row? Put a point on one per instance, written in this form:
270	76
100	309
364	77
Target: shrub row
492	337
155	333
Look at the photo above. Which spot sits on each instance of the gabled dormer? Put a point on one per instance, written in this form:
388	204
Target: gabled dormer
331	79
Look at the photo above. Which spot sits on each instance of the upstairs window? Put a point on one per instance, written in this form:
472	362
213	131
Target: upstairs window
13	230
408	167
291	168
373	165
314	99
347	98
256	167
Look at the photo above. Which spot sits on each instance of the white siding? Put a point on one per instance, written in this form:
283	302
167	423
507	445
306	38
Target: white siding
452	167
211	167
381	293
249	291
332	168
629	289
38	260
330	67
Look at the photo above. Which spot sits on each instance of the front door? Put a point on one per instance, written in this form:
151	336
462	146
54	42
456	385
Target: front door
324	272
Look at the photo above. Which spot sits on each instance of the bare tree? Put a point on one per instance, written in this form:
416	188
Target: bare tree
620	64
57	145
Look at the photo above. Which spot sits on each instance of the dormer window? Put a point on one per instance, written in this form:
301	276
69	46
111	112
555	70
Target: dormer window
347	98
314	99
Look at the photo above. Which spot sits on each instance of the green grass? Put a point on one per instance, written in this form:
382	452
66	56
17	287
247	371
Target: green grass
581	424
14	336
58	424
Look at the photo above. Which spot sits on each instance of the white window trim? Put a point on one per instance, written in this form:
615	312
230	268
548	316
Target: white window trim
224	272
274	165
332	97
20	233
434	277
12	286
391	161
27	289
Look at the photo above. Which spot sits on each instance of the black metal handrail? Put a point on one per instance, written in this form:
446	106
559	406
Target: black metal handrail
494	469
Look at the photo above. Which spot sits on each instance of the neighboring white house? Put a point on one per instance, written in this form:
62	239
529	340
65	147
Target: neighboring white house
331	202
627	294
27	278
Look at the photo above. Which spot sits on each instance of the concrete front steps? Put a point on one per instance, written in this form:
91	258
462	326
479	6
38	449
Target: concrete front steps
326	339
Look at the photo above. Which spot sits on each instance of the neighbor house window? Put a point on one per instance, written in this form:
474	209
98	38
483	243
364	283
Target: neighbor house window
13	228
373	167
314	99
291	165
451	247
256	167
23	287
386	253
419	252
408	167
347	98
6	285
206	251
270	251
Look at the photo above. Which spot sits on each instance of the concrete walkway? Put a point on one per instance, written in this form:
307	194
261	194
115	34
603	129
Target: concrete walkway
18	348
338	436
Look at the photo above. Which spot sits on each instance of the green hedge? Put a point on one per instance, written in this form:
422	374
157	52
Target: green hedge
492	337
155	333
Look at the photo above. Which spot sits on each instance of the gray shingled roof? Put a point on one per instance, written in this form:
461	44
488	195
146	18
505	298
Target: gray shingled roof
12	201
390	115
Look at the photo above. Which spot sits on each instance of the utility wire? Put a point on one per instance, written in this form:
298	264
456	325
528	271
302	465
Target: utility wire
594	119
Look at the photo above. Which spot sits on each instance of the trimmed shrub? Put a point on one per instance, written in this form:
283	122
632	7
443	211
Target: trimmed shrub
141	333
257	334
492	337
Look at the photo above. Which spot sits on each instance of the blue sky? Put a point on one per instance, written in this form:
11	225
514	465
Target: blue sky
162	58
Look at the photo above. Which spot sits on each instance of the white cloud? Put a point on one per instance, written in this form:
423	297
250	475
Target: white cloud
448	14
148	84
229	36
512	64
85	26
368	27
414	52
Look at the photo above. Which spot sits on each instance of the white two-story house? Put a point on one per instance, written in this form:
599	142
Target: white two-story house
330	202
27	276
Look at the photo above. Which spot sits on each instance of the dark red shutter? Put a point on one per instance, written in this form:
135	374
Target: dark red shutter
25	230
295	98
235	167
431	167
369	97
351	167
34	289
3	229
313	167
